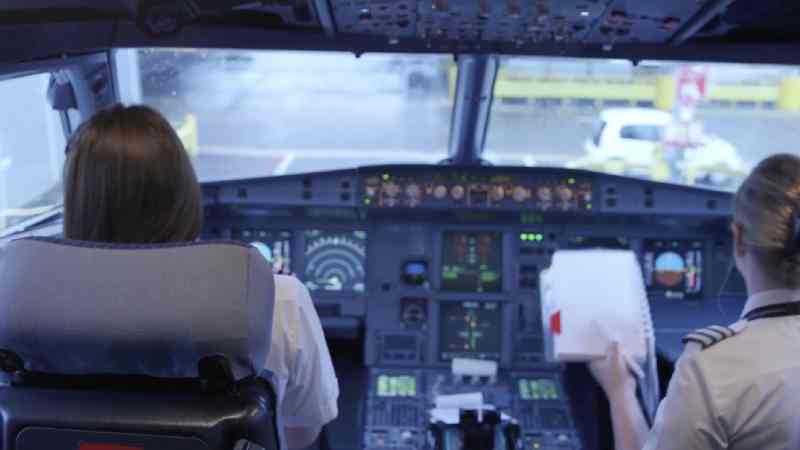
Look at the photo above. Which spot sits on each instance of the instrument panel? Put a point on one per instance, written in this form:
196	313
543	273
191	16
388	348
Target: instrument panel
471	261
424	264
388	246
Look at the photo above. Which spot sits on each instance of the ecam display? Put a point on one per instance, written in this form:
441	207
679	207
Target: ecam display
472	261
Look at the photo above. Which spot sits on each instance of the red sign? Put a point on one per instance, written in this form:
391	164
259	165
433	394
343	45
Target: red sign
691	88
555	322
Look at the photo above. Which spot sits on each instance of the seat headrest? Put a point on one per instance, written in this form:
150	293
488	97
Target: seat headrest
73	307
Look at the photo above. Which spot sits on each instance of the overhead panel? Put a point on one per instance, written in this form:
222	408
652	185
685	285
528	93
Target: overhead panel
515	23
381	17
628	21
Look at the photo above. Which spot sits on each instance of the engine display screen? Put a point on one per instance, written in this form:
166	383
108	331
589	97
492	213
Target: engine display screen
396	386
472	261
674	268
470	330
275	246
335	260
537	389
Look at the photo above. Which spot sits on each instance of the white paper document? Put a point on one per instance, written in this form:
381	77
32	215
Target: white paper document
590	298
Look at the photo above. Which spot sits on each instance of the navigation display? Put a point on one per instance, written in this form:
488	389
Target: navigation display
674	267
470	330
275	246
472	261
335	260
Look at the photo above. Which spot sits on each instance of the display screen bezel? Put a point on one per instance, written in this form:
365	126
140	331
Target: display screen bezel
305	260
683	245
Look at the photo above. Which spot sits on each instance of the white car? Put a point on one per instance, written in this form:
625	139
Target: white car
631	141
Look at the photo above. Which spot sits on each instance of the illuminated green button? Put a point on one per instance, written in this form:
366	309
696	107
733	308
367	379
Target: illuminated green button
488	277
383	386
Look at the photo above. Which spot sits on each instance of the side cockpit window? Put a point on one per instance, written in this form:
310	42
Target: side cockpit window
32	140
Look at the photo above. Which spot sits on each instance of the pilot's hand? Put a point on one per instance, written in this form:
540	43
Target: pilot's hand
616	373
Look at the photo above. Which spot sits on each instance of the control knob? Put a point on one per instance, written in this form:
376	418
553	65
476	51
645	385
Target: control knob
413	314
414	193
498	193
544	194
440	192
373	184
391	189
565	194
457	192
519	194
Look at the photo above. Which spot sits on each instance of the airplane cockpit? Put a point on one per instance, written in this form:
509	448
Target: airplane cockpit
417	164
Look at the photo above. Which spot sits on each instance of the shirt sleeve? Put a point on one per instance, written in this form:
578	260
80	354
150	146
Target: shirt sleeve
687	418
312	390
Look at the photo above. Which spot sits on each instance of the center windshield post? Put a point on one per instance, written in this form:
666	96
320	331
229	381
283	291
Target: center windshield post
474	94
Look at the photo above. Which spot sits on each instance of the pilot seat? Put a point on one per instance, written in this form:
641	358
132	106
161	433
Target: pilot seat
135	347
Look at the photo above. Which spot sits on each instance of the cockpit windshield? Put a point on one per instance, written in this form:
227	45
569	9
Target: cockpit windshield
687	123
259	113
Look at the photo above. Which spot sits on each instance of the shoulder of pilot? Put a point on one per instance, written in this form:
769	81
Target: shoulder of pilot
714	335
288	288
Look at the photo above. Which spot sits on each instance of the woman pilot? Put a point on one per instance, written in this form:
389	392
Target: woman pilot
128	179
735	387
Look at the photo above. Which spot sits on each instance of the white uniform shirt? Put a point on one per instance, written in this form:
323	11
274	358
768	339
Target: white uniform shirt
742	393
303	375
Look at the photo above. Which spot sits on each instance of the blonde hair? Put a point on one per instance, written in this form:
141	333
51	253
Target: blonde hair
767	207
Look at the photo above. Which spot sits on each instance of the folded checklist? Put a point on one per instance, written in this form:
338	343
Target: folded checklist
590	298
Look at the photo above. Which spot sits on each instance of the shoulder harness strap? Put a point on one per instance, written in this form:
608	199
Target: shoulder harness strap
710	336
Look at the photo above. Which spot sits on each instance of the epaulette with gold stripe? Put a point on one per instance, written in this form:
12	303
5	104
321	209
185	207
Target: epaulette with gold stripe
709	336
